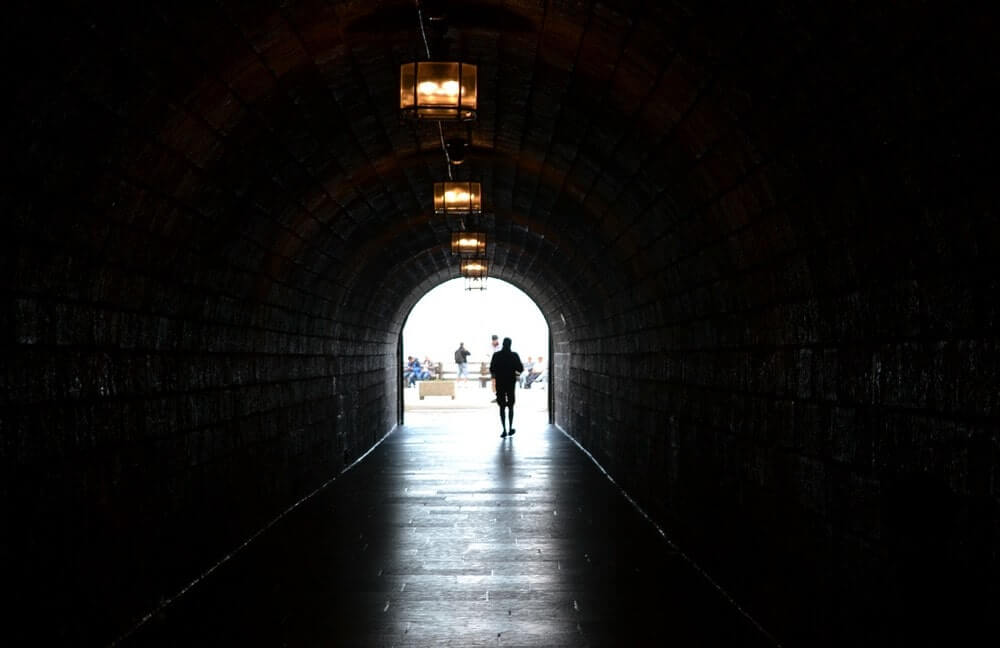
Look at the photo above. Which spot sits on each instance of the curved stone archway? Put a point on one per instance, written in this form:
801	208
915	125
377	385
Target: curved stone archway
450	313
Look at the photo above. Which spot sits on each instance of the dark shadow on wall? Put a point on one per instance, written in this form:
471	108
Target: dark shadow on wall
937	556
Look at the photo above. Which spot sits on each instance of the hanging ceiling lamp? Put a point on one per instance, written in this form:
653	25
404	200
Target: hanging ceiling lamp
438	90
468	244
474	271
475	283
458	198
474	268
448	91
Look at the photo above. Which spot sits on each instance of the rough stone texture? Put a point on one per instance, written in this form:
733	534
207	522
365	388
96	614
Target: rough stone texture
764	240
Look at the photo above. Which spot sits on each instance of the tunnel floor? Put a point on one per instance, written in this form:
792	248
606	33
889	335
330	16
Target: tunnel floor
448	535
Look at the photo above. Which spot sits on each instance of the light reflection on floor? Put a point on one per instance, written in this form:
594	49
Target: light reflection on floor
448	535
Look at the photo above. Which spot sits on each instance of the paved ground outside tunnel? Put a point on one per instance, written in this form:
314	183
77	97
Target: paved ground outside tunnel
470	396
448	535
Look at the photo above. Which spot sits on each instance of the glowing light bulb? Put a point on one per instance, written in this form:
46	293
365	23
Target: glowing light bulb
438	91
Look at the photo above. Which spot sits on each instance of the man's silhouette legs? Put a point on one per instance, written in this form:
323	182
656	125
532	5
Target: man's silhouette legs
505	399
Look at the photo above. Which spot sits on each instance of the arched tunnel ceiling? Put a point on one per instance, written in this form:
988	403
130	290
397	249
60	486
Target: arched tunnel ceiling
292	109
763	236
613	139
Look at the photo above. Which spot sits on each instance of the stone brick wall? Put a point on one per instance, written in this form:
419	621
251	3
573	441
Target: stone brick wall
800	381
145	440
171	380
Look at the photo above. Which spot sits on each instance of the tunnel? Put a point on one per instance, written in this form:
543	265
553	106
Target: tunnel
763	236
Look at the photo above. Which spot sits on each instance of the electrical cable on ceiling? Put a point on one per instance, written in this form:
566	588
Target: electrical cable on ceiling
420	19
444	147
427	48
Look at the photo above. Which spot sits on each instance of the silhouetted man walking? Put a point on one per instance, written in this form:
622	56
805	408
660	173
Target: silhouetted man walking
504	367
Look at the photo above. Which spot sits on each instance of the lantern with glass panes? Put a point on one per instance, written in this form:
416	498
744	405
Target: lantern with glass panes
474	267
468	244
458	199
438	90
474	271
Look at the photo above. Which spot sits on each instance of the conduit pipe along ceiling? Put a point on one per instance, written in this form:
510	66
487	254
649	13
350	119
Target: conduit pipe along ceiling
438	90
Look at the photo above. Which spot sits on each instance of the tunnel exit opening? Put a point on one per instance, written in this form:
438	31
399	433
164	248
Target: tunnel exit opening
449	323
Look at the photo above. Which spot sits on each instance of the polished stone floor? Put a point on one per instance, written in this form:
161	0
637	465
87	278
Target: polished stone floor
447	535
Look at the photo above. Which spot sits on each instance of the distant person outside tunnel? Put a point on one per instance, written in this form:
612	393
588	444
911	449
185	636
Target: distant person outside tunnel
494	347
462	360
505	367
